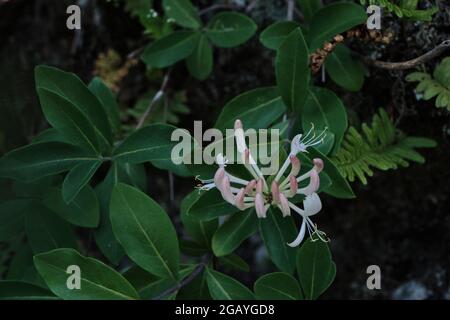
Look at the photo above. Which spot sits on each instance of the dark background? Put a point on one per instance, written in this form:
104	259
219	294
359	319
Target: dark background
399	221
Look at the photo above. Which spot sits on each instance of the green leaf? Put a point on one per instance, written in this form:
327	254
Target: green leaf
277	286
77	178
315	268
333	19
276	233
197	289
147	144
71	123
39	160
22	267
199	230
108	102
324	109
257	108
82	211
309	8
344	69
104	235
273	36
12	214
98	281
170	49
18	290
235	262
230	29
183	12
210	205
154	288
223	287
70	88
145	231
234	231
292	70
47	231
200	62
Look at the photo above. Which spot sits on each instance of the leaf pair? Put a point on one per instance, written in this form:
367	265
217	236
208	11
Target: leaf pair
225	30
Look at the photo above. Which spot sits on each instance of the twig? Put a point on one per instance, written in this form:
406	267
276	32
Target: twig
155	99
181	284
410	63
290	10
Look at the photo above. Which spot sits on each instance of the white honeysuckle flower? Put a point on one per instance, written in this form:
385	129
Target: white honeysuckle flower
255	193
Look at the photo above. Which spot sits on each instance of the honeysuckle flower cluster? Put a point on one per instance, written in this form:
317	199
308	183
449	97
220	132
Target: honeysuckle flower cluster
259	194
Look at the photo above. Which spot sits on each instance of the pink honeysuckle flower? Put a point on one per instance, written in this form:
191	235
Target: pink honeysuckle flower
255	193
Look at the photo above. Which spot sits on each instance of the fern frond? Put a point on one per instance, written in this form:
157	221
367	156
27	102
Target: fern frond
404	9
437	85
379	146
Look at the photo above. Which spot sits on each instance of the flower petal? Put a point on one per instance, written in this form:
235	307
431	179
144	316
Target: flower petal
225	189
259	206
284	206
300	235
313	186
312	204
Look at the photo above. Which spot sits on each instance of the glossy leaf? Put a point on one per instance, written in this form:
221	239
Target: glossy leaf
200	62
77	178
82	211
333	19
107	100
210	205
47	231
145	231
277	286
70	88
147	144
154	288
98	281
12	214
170	49
315	268
309	8
182	12
235	262
39	160
199	230
273	36
223	287
71	123
324	109
344	69
292	70
257	108
234	231
104	235
276	233
230	29
18	290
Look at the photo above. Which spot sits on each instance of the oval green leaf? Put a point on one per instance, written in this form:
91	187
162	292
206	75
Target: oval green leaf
257	108
170	49
182	12
145	231
223	287
277	286
292	70
200	62
230	29
98	281
234	231
273	36
77	178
